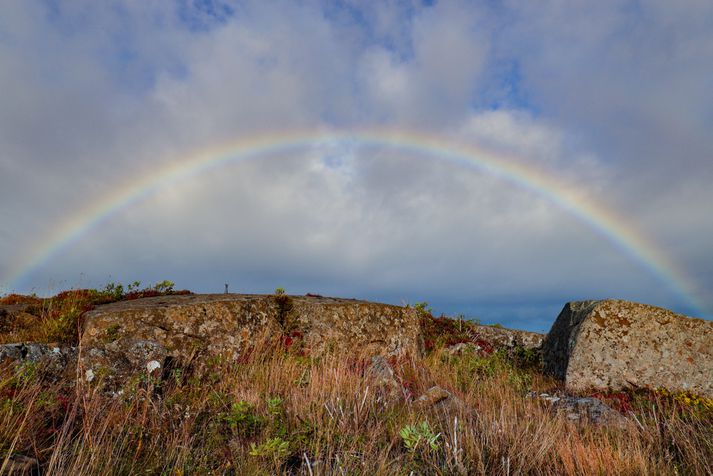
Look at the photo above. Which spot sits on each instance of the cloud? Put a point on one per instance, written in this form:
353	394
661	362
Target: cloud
610	101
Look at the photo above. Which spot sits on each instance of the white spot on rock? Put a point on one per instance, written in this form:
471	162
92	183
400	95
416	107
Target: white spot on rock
89	375
152	365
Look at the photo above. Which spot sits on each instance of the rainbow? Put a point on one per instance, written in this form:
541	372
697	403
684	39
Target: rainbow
604	221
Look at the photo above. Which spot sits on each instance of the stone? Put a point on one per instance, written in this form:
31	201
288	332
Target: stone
55	361
123	337
501	337
461	348
615	344
583	410
20	465
382	375
440	399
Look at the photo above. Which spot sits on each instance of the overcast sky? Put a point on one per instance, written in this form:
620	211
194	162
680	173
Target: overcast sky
611	98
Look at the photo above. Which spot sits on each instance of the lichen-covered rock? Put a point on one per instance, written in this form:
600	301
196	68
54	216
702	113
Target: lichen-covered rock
52	361
461	348
441	400
618	344
583	410
382	375
501	337
121	338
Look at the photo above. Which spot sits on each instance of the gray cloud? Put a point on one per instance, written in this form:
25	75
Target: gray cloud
610	99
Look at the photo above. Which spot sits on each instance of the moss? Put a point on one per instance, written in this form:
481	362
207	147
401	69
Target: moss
111	333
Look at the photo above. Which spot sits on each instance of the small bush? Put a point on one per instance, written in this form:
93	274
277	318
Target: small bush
420	437
243	420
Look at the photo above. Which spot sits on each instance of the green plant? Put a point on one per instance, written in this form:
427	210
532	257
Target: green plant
423	307
284	310
276	410
526	358
420	436
274	406
275	449
177	375
242	419
111	333
164	286
113	290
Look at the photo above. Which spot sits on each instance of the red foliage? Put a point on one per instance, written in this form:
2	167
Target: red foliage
141	294
409	389
451	333
294	342
63	402
11	299
8	392
620	401
73	294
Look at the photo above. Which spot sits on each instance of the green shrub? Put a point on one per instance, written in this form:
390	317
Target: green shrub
420	437
243	420
274	449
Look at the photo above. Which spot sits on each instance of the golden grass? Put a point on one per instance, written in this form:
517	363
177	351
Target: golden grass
279	413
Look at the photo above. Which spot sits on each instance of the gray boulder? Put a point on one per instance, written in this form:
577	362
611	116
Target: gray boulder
51	360
616	344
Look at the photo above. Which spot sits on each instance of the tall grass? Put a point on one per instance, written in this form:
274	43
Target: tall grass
275	412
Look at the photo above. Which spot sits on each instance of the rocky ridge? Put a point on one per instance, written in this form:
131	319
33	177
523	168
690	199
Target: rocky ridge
122	338
593	345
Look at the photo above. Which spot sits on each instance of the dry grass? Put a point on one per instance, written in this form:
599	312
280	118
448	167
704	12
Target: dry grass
279	413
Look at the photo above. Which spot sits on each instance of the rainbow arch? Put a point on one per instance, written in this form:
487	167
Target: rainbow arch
606	222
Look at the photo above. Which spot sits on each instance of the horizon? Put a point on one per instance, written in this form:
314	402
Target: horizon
493	160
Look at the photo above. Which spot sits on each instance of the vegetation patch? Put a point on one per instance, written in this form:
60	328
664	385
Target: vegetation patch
58	319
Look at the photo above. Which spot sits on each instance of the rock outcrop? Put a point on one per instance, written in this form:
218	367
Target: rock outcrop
52	361
619	344
501	337
127	336
583	410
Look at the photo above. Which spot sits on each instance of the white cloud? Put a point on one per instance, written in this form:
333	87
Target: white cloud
617	107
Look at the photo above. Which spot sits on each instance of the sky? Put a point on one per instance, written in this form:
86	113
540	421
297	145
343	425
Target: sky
496	159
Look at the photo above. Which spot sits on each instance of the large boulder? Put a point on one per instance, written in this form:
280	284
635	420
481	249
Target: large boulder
130	336
619	344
